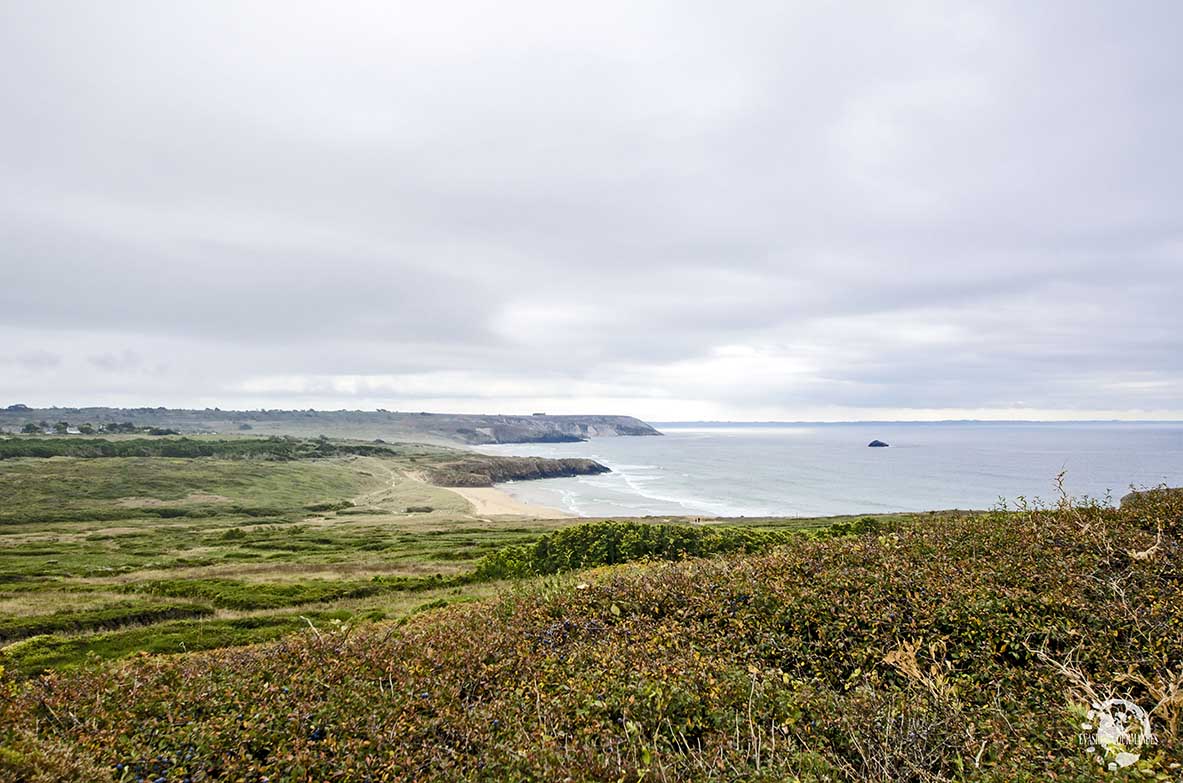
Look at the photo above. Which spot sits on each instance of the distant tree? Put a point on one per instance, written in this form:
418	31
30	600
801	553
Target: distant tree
62	427
86	429
30	429
245	426
18	407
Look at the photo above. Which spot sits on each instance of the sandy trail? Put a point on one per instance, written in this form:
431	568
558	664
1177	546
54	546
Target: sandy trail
374	497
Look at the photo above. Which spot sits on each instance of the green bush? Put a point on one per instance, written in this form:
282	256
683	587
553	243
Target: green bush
608	543
339	505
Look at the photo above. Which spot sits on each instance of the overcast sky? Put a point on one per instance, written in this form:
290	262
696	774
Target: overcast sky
679	211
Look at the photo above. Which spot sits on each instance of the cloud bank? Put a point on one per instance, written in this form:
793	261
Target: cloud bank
673	210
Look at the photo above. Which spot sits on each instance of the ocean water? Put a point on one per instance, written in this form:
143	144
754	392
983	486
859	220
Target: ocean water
822	469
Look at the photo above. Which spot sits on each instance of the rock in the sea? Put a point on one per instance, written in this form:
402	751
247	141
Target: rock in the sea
877	444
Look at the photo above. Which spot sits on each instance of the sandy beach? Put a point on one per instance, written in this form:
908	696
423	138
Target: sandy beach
490	501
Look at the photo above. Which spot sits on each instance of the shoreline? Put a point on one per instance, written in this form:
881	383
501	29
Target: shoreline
494	501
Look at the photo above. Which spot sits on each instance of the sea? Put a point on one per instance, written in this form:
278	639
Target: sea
755	470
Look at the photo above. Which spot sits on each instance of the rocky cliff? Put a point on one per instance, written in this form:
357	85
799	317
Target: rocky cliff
537	429
484	471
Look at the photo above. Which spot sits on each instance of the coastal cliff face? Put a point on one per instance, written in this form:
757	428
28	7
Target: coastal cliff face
442	428
549	429
484	471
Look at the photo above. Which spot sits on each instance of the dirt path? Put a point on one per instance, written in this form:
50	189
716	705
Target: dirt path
374	497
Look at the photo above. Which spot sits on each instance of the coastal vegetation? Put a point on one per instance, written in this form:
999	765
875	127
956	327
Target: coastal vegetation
295	609
275	448
944	647
614	542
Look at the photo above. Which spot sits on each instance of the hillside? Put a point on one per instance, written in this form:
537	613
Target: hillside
469	429
947	648
441	466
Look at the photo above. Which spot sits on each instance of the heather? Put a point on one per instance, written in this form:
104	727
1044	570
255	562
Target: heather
950	647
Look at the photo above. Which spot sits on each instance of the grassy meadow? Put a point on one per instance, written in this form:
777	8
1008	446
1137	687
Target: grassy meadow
110	556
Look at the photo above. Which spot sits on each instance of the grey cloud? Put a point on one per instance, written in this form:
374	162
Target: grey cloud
33	361
116	362
915	206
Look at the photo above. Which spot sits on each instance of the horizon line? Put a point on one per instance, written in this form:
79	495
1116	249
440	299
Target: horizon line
917	421
661	422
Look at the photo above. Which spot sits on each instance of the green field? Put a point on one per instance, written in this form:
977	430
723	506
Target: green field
108	556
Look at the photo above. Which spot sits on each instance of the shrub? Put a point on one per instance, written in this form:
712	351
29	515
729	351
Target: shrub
338	505
609	543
